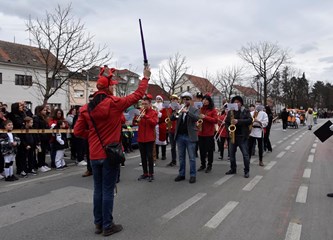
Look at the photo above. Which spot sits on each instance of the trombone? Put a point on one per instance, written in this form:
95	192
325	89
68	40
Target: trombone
220	129
142	113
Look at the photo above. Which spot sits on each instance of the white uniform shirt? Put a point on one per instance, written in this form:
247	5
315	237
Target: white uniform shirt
263	118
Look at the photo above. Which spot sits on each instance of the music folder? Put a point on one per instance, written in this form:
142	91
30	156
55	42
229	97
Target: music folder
324	132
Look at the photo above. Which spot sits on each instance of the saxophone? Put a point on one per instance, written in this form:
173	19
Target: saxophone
255	114
168	121
232	128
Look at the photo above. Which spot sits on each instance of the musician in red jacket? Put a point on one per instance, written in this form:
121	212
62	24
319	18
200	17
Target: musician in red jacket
147	121
222	134
206	129
106	111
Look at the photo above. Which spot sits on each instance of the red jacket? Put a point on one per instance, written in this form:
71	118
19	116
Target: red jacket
173	123
162	126
107	115
146	131
208	125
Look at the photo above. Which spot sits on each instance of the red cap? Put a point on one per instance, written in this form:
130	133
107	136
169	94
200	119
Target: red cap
105	78
147	97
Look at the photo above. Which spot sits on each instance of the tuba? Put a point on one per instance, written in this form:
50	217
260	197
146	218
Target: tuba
232	128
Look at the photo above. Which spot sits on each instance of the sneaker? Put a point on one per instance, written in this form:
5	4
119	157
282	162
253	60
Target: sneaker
82	163
14	177
113	229
47	168
33	172
59	168
9	179
201	168
172	164
1	177
143	177
246	175
87	174
192	180
42	169
208	169
163	157
230	172
179	178
151	178
23	174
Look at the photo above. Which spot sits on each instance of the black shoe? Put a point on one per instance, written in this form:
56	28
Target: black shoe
201	168
143	177
163	157
246	175
209	169
98	229
230	172
179	178
113	229
329	194
151	178
192	180
9	179
14	177
172	164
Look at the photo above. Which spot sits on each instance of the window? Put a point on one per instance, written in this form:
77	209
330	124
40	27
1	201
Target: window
188	88
55	105
132	81
0	78
78	93
181	89
55	83
23	80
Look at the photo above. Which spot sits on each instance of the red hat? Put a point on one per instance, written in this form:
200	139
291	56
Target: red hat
147	97
105	78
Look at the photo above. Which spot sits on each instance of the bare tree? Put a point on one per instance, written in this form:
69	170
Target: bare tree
227	78
266	58
170	73
64	46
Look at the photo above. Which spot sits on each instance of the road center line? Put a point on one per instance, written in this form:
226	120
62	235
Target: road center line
294	231
222	180
314	145
215	221
296	139
287	148
293	142
273	146
279	142
310	158
313	150
252	183
307	173
270	165
302	194
182	207
280	155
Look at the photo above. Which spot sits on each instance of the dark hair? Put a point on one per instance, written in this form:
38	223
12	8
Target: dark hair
252	105
268	110
199	95
27	119
54	116
239	98
210	100
7	122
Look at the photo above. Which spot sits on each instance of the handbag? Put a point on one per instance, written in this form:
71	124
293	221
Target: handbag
114	151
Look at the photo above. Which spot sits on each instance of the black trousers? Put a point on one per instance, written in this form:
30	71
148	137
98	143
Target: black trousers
41	155
206	147
260	146
31	159
267	142
146	151
220	144
158	150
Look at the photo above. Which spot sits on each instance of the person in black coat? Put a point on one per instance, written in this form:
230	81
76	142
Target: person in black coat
284	117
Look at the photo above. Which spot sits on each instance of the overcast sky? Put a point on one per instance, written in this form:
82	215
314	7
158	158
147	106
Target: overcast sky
207	33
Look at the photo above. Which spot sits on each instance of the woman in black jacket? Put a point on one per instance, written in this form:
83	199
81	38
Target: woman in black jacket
267	142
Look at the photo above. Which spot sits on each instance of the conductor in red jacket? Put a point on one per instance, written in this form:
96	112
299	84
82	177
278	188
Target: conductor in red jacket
106	111
146	137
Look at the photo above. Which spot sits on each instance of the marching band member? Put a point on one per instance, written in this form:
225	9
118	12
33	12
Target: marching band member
161	127
208	117
186	136
222	133
147	121
259	122
171	126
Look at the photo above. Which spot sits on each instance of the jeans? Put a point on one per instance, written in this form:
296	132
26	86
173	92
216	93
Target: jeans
242	143
183	143
105	177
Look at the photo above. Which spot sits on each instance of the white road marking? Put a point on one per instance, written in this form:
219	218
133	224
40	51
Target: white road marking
35	179
273	146
296	139
285	138
19	211
310	158
313	150
215	221
252	183
307	173
279	142
222	180
302	194
287	148
182	207
316	140
270	165
293	142
314	145
136	156
280	155
294	231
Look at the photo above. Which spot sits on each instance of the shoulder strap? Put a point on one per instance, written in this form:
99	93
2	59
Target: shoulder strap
94	124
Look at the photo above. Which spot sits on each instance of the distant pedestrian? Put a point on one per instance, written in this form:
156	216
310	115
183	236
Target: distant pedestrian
309	118
284	117
59	145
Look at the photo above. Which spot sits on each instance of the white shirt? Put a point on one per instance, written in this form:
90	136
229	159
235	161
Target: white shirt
262	117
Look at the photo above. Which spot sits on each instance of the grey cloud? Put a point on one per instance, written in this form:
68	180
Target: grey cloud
326	59
306	48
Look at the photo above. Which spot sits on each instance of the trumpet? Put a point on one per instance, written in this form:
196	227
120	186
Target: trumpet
142	113
168	122
255	114
232	128
180	110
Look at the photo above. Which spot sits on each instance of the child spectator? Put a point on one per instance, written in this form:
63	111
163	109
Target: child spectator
29	142
9	143
60	145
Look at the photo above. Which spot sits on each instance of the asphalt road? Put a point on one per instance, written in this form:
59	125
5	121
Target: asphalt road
285	200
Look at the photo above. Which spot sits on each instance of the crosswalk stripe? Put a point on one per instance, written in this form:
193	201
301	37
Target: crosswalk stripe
215	221
270	165
222	180
252	183
182	207
280	155
294	231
